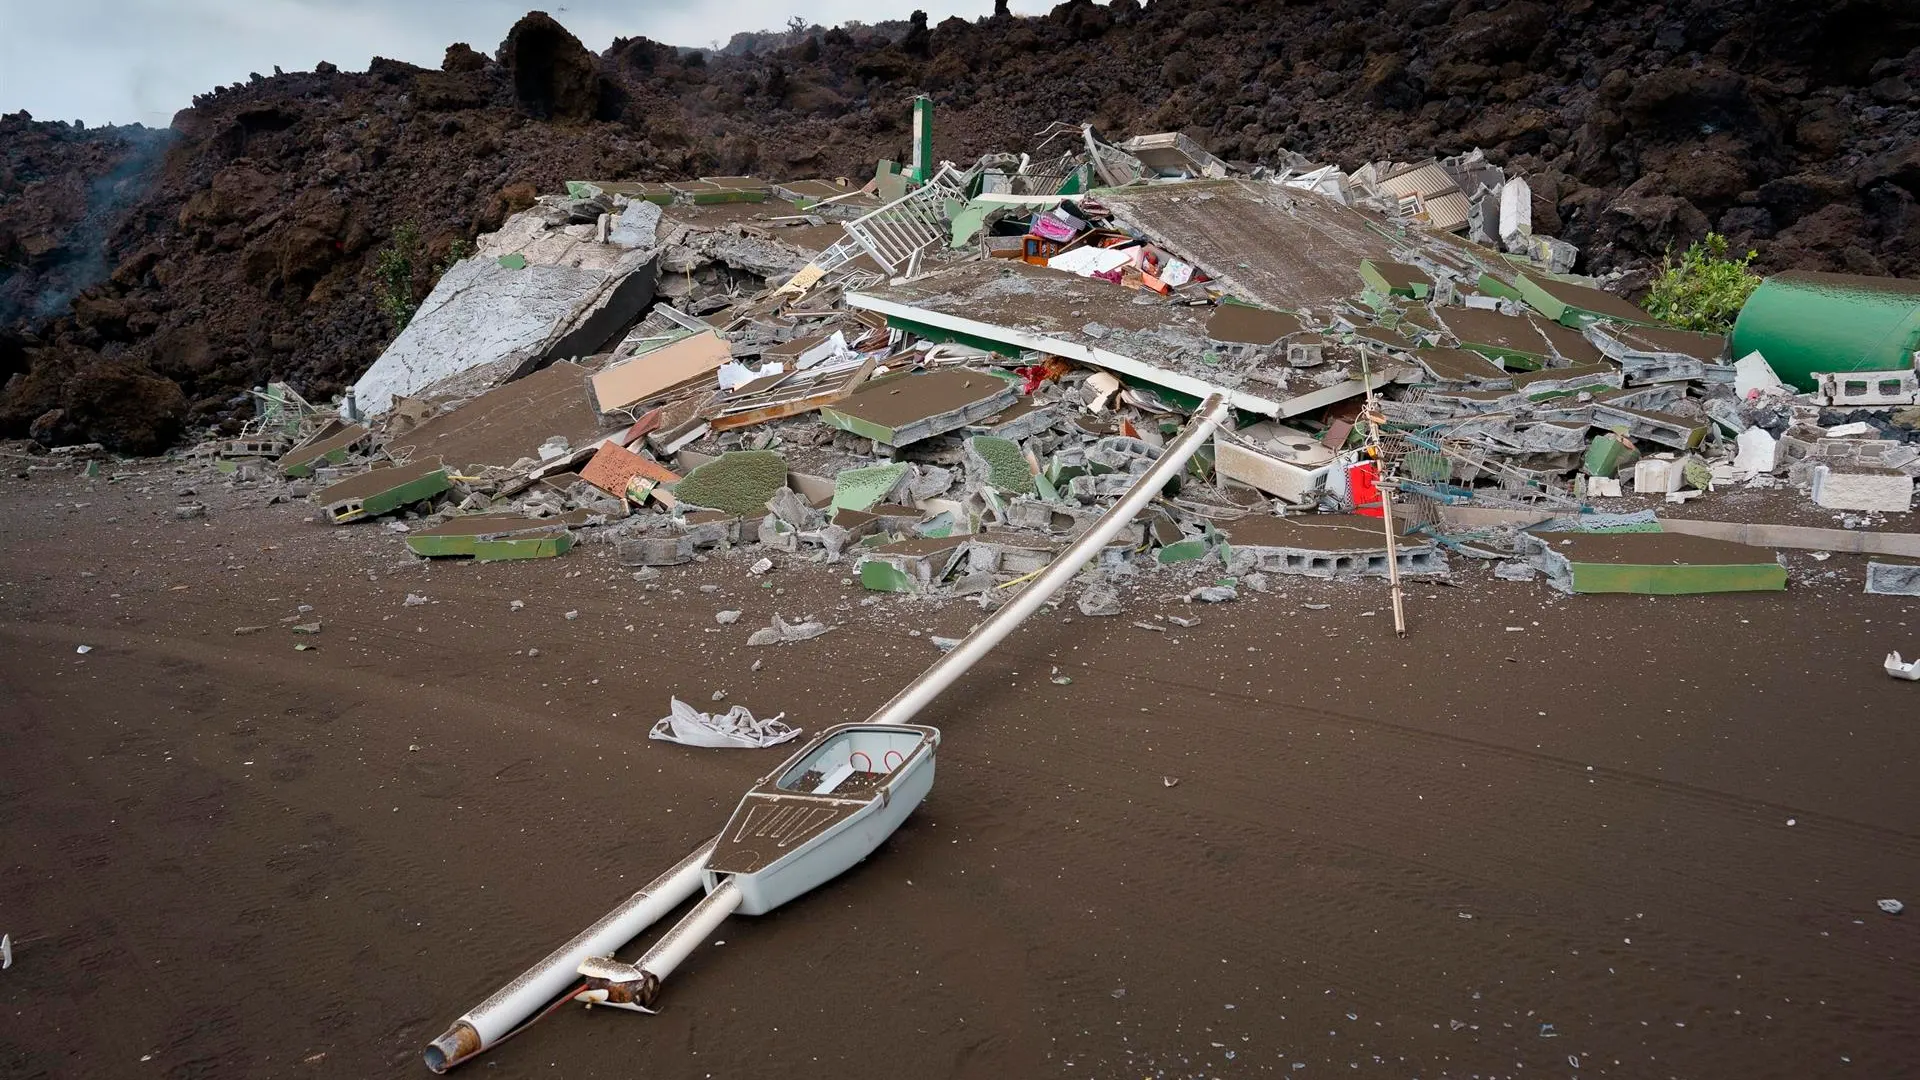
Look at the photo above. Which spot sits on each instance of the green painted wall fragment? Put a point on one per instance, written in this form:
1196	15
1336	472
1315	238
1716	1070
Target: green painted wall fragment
739	482
882	576
860	489
1184	551
514	261
999	464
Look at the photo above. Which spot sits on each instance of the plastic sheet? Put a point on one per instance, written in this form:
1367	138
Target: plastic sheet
734	728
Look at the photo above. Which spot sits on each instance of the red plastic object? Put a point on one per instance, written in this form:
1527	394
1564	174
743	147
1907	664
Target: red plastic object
1363	483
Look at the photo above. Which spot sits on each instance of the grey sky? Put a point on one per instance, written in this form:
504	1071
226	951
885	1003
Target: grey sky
139	61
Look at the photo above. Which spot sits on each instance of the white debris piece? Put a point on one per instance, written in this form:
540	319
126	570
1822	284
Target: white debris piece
1752	374
1891	907
734	728
1759	452
1909	669
6	949
1516	215
783	631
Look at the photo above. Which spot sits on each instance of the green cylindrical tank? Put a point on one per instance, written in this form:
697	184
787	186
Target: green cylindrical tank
1804	322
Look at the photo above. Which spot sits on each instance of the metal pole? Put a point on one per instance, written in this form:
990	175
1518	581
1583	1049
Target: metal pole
908	702
1374	417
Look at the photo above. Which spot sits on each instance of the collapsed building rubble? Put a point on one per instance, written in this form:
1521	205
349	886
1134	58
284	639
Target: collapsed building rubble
946	372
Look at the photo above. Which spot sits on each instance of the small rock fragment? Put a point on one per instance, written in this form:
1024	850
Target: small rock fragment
572	615
760	567
726	618
413	600
189	511
516	605
1099	599
1213	594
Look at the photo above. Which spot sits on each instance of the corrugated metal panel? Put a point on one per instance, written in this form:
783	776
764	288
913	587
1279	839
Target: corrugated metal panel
1442	201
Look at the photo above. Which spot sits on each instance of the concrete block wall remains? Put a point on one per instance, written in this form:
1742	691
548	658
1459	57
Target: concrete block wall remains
1868	388
1893	579
1416	560
1678	432
1882	492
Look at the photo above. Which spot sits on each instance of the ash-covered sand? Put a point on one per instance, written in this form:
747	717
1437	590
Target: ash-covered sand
1480	851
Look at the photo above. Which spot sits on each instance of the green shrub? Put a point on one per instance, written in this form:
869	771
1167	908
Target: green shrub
393	276
396	288
1705	290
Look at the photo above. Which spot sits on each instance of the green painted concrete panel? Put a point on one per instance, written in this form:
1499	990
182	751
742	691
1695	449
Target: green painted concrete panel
883	576
523	547
1184	551
858	489
1684	580
860	426
386	502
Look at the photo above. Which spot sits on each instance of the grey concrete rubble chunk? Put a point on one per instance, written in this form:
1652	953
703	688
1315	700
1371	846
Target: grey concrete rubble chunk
1514	570
1213	594
726	618
791	508
189	511
1099	600
1893	579
654	551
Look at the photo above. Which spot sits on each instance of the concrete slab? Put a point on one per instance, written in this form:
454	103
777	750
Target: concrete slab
1279	247
382	491
1661	564
302	460
904	409
508	422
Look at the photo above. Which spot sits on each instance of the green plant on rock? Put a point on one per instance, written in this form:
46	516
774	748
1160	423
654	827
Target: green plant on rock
396	268
1705	290
393	276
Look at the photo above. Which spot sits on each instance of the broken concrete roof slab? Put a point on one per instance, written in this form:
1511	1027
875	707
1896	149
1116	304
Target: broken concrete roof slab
508	422
645	191
902	409
1654	563
646	376
1279	247
1658	340
1463	367
1008	305
1575	305
1569	344
482	315
462	535
1246	324
1500	337
382	491
331	450
1396	278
